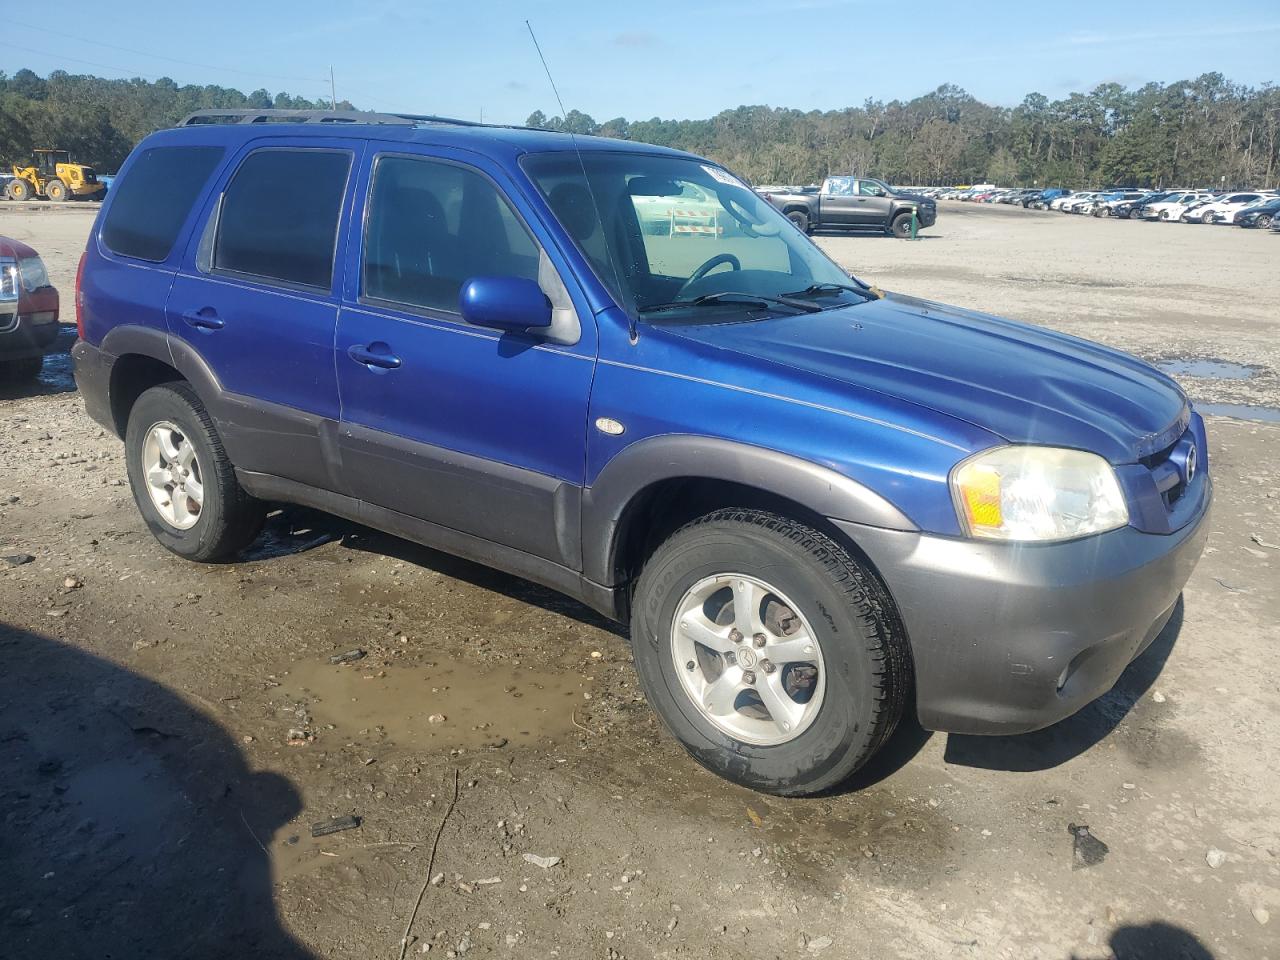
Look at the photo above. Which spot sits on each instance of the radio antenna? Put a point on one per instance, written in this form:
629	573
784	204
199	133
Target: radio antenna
631	323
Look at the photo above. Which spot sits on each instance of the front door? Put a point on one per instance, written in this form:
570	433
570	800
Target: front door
471	429
873	204
256	301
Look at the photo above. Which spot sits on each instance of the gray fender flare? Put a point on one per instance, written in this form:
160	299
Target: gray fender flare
646	462
159	345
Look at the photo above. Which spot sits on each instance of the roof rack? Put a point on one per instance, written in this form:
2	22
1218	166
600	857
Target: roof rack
236	116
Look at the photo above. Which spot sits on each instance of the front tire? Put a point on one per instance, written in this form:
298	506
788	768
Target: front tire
182	480
901	226
775	657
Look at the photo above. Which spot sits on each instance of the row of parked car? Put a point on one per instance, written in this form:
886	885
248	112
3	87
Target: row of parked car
1255	209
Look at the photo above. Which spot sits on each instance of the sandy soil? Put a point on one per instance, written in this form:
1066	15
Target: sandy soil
169	733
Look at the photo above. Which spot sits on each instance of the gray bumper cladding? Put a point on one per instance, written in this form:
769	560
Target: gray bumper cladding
1009	638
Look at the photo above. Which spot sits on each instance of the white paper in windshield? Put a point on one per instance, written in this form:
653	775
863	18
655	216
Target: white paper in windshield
721	176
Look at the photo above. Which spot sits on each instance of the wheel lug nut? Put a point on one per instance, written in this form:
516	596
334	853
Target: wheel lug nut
730	657
735	635
690	665
767	666
749	677
758	640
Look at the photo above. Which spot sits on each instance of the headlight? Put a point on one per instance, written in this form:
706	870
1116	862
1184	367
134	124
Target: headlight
1037	493
9	289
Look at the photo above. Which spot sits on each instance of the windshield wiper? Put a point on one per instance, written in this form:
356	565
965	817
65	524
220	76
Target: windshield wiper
730	297
833	288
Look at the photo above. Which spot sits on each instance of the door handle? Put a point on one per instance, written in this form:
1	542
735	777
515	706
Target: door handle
206	318
381	357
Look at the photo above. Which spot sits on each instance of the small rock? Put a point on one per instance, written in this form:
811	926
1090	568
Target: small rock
546	863
61	612
73	583
1129	786
1158	697
20	916
818	944
437	879
247	738
297	737
671	924
487	881
1215	857
1261	915
17	559
436	718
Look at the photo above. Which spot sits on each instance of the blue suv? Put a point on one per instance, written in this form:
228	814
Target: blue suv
817	504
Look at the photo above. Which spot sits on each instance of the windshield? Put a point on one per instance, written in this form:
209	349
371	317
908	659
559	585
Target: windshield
672	236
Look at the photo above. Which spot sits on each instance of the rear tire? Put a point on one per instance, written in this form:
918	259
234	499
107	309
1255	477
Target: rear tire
19	190
228	518
901	226
1264	221
801	585
56	191
800	219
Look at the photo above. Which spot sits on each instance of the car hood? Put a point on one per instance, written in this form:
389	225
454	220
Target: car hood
1021	382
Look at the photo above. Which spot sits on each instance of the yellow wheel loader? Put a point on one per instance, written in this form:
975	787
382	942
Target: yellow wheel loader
52	175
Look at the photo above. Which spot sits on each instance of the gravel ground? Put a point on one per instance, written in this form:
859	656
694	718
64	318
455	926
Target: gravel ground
169	733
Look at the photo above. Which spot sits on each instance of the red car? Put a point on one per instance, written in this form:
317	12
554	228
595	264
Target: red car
28	311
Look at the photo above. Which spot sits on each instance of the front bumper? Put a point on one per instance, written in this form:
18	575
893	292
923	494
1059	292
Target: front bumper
21	337
1009	638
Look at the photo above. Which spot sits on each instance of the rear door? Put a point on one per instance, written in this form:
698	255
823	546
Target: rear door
257	300
467	428
838	202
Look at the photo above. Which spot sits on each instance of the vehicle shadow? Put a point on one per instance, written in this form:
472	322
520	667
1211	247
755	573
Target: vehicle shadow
872	234
133	827
297	529
1055	745
56	376
1156	941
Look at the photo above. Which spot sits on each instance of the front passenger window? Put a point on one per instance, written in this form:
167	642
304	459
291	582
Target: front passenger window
434	225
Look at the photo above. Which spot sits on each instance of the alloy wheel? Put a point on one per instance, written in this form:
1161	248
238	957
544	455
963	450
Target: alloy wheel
173	475
748	659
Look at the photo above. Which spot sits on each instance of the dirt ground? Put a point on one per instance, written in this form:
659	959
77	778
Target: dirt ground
169	733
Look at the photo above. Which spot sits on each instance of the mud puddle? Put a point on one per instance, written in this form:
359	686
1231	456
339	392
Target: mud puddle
454	706
1206	368
1241	411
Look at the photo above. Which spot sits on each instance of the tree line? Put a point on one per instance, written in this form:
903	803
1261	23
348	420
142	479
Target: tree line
1205	132
1196	133
100	120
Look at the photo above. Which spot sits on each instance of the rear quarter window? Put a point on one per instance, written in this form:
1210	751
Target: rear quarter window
151	202
279	216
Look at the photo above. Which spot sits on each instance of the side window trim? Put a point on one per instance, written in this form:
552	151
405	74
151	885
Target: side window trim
566	325
209	236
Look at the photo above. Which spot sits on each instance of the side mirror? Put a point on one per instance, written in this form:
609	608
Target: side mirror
513	304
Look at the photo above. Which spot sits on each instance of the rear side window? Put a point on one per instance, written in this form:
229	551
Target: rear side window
151	202
279	216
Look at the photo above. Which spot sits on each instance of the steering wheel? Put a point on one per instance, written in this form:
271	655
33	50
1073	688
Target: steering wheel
707	267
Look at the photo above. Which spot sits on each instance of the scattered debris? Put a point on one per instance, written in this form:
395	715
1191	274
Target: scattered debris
1263	543
1261	915
351	656
1088	850
1158	697
431	860
335	825
818	944
298	737
73	583
437	718
17	559
1215	857
546	863
487	881
755	818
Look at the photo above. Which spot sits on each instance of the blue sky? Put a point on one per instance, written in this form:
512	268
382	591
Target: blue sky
643	59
